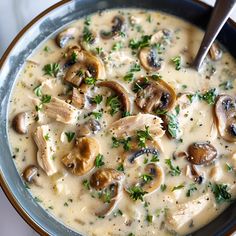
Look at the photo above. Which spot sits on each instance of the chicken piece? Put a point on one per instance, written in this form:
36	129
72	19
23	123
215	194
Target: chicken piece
45	152
185	212
60	110
128	126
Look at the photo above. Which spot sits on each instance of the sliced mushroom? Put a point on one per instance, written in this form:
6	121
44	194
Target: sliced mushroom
159	36
60	110
90	126
45	153
120	91
157	175
150	59
81	159
117	27
64	37
225	111
128	126
78	98
87	65
30	173
201	153
155	95
215	52
19	123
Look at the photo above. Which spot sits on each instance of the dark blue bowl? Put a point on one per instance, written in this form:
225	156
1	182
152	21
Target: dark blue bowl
28	40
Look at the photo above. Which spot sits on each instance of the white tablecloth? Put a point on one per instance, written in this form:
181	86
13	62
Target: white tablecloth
14	15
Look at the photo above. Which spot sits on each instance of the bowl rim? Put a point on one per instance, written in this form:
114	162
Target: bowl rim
7	191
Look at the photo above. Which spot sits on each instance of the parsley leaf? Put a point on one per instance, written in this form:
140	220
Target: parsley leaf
163	187
97	115
88	36
143	136
173	125
117	46
114	103
120	167
174	171
86	184
220	192
191	189
177	61
70	136
136	193
143	42
146	178
90	80
209	96
177	187
37	90
97	99
99	160
52	69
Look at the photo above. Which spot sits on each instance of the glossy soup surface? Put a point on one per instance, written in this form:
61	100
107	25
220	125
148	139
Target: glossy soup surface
167	166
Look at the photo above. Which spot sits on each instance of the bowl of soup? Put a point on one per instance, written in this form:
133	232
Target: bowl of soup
107	130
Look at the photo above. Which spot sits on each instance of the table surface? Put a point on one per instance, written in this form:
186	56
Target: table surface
18	15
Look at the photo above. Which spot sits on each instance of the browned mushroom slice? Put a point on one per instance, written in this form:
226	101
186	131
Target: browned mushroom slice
91	126
225	111
78	98
215	52
128	126
19	123
87	65
81	159
201	153
66	35
150	59
60	110
155	95
30	173
157	177
120	91
45	153
115	190
117	28
102	178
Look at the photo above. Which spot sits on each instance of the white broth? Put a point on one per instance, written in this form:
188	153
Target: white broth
115	134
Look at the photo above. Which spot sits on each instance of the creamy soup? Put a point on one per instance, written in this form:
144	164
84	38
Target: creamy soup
113	133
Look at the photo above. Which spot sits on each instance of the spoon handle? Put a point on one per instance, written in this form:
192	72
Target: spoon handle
221	13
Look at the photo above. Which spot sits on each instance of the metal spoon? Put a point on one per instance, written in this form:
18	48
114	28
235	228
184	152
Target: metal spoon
220	15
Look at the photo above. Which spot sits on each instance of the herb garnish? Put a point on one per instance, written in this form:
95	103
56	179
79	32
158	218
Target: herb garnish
149	218
52	69
174	171
120	168
163	187
70	136
173	125
114	103
227	85
90	80
177	187
220	192
143	42
97	99
136	193
177	61
146	178
191	189
125	142
117	46
99	160
37	90
143	136
97	115
86	184
209	96
88	37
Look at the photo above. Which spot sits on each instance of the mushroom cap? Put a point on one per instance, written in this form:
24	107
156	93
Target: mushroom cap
87	65
29	173
155	95
157	175
150	59
225	112
201	153
120	91
19	123
104	177
81	159
117	27
64	36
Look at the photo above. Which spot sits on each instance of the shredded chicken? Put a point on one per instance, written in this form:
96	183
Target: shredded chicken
45	153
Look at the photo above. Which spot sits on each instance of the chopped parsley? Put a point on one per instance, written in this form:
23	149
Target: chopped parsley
177	187
131	234
74	57
117	46
37	90
46	99
97	99
143	42
174	171
52	69
86	184
163	187
136	193
146	178
149	218
135	68
143	136
88	36
120	168
47	137
155	158
177	61
125	142
46	49
99	160
173	125
209	96
220	192
87	20
129	77
229	167
97	115
70	136
114	103
115	142
191	189
90	80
